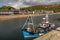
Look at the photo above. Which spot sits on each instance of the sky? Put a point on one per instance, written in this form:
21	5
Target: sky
26	3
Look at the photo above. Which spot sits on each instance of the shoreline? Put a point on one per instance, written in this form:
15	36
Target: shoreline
8	17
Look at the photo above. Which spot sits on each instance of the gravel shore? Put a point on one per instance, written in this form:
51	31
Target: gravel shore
7	17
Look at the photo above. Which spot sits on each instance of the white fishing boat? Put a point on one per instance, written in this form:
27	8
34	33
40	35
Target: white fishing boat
46	24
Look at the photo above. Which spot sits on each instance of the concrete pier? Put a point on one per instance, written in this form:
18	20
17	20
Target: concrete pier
53	35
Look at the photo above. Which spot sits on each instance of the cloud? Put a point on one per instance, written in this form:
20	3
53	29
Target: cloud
19	5
25	3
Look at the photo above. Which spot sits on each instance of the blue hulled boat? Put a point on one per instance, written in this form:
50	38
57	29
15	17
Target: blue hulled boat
30	30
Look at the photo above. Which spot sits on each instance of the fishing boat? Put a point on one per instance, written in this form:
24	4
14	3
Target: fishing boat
30	30
45	24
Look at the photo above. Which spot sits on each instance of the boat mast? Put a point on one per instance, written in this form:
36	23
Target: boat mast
32	22
47	17
31	18
28	23
25	23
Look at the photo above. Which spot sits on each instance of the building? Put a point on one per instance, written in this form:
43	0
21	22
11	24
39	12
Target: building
11	11
6	12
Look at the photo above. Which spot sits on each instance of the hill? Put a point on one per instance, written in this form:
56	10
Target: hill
6	8
54	7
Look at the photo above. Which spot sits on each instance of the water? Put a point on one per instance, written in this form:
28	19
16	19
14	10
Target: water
11	29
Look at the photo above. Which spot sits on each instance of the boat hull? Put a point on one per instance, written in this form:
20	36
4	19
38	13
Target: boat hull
34	35
29	35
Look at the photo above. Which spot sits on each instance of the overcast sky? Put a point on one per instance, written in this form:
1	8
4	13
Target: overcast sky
26	3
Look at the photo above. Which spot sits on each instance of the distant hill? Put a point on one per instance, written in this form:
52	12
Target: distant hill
54	7
7	8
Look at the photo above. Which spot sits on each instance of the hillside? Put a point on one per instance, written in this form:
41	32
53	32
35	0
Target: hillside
6	8
54	7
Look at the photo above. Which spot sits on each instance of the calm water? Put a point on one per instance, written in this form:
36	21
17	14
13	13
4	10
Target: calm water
11	29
